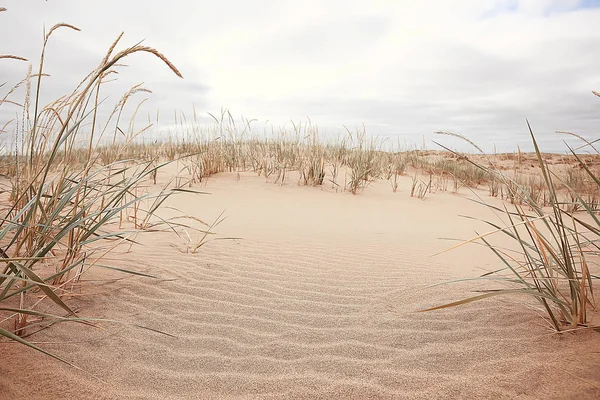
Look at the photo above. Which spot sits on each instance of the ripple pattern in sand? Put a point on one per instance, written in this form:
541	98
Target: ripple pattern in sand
308	320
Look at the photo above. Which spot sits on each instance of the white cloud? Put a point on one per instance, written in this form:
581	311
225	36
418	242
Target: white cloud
403	68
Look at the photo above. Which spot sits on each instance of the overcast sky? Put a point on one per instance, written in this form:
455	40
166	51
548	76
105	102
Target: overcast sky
403	68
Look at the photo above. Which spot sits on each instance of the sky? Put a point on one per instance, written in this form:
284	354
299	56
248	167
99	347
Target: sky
403	69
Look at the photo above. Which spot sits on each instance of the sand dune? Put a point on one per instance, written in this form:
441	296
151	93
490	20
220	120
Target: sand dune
317	300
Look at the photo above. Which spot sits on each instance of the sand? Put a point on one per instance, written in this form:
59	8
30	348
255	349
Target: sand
319	300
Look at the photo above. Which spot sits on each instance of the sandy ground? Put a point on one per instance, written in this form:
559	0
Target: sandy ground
318	300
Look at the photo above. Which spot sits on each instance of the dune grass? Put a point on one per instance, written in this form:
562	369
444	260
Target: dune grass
67	201
555	248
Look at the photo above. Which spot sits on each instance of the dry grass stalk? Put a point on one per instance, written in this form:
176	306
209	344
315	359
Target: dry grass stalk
12	57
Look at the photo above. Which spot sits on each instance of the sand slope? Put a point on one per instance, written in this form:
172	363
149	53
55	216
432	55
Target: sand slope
317	301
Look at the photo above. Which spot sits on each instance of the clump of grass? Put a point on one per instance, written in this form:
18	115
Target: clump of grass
67	198
494	185
312	164
419	188
336	155
363	162
553	247
396	164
